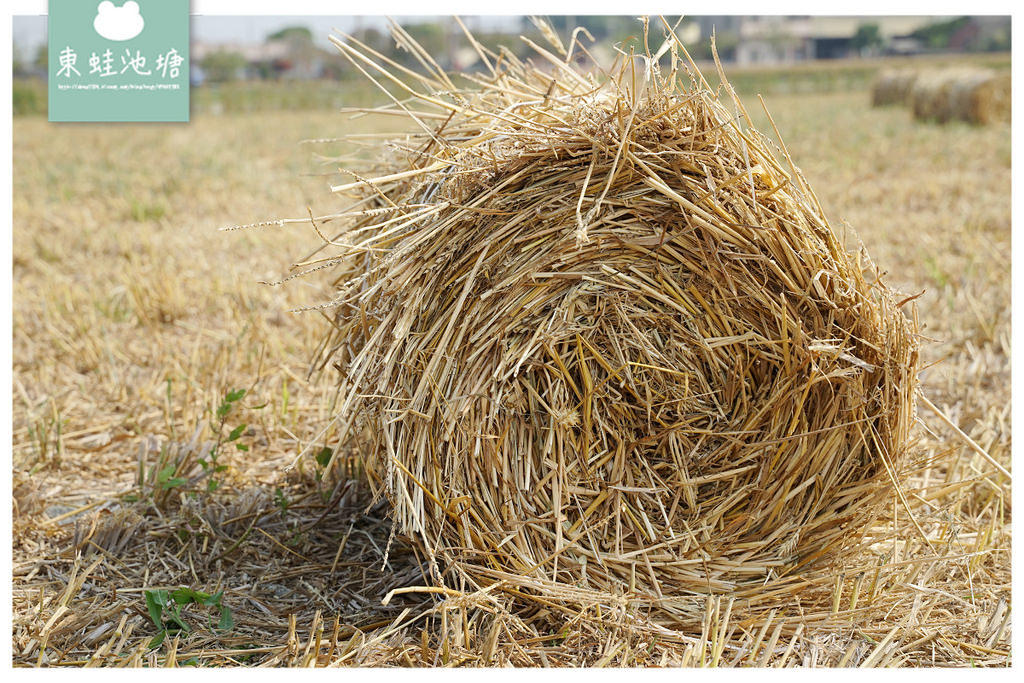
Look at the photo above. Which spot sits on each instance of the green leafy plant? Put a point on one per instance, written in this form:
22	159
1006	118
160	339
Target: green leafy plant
156	482
210	463
165	610
166	480
174	467
323	458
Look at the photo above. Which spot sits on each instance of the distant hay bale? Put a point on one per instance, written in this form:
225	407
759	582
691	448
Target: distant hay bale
594	339
989	101
977	96
893	87
929	95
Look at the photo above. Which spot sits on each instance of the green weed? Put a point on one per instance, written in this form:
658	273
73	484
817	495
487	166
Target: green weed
144	212
174	468
47	437
165	610
281	500
210	463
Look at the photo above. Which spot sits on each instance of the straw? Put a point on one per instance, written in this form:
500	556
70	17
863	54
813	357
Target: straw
621	353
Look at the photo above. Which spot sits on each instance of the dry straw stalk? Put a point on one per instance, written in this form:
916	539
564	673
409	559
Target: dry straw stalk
599	345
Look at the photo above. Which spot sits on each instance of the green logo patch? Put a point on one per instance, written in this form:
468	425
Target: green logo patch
118	61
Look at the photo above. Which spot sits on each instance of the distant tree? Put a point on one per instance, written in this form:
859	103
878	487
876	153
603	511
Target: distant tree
374	38
613	28
430	36
998	42
293	34
726	43
867	38
42	59
222	66
599	26
937	36
433	37
17	60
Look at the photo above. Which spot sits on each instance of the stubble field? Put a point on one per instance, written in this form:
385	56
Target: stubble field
136	322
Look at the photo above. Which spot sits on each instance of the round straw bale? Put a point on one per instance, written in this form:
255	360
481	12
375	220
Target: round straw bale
593	336
930	95
973	95
988	100
893	86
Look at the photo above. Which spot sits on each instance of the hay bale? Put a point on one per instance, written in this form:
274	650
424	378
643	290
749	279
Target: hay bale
988	101
930	95
893	87
977	96
594	339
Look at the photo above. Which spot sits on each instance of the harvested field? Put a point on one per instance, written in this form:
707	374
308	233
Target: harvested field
135	322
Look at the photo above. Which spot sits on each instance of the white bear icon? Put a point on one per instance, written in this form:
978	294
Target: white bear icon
118	23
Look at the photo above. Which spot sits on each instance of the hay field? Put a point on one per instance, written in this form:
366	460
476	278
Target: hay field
134	319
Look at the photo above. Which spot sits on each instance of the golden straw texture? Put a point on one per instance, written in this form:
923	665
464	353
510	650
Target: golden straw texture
596	340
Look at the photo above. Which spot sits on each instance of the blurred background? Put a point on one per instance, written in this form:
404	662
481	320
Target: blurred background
239	63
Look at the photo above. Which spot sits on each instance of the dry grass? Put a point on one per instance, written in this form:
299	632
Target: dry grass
121	283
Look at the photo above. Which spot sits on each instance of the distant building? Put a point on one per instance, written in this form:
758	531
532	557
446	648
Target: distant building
780	39
775	39
981	33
